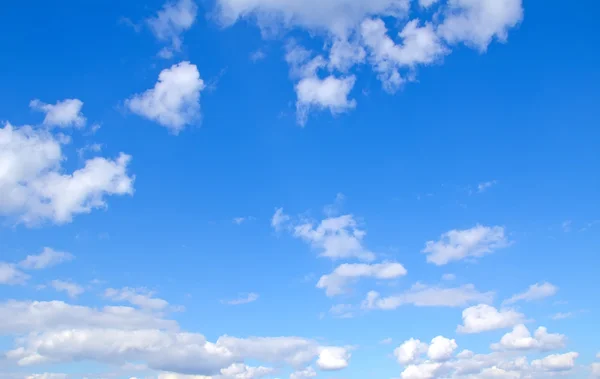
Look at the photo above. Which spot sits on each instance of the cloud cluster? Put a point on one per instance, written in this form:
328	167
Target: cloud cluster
12	274
355	30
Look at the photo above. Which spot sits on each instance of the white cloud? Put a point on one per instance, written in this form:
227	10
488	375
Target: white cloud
556	362
421	295
484	186
427	3
562	315
448	277
279	219
456	245
55	332
441	349
333	358
521	339
483	317
38	189
72	289
246	299
63	114
336	17
47	375
312	91
308	372
410	351
427	370
534	292
595	368
136	296
337	237
174	102
170	23
10	274
420	45
335	283
477	22
47	258
342	310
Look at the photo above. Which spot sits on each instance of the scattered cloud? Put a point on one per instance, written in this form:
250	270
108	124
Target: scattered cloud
482	187
72	289
139	297
471	243
421	295
11	275
258	55
38	188
337	238
448	277
342	311
336	282
556	362
483	318
171	22
47	258
246	299
174	102
534	292
63	114
333	358
279	219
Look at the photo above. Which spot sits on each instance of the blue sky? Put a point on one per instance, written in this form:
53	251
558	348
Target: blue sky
236	189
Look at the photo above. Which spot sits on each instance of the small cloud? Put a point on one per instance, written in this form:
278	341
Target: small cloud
482	187
536	291
566	226
448	277
47	258
257	55
63	114
341	311
246	299
93	148
386	341
72	289
334	209
241	220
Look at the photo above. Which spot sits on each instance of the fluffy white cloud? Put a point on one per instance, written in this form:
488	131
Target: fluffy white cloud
556	362
335	283
441	349
534	292
56	332
63	114
337	237
248	298
36	187
312	91
47	258
421	295
174	102
72	289
462	244
426	370
140	297
171	21
520	339
410	351
483	317
420	45
333	358
427	3
477	22
10	274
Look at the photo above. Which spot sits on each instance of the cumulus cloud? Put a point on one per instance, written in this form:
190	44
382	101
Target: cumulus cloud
38	189
534	292
56	332
426	370
139	297
336	282
354	29
457	245
440	349
521	339
483	317
63	114
47	258
174	102
478	22
556	362
410	351
308	372
422	295
171	22
314	92
420	45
